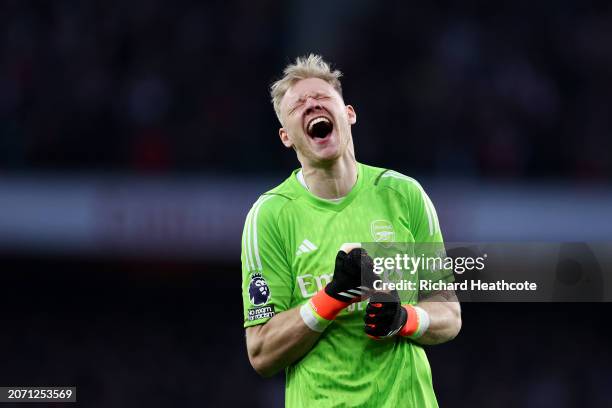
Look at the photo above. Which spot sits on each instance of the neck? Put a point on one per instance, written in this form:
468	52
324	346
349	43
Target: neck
334	180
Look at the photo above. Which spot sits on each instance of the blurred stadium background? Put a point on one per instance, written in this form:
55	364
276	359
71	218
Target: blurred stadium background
134	136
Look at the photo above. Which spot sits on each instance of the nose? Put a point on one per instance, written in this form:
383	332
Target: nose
312	105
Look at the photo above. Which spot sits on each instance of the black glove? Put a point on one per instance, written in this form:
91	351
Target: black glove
353	276
384	315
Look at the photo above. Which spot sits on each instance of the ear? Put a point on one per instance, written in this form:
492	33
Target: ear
352	116
284	137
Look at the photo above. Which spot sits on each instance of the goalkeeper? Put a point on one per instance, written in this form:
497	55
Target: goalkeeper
305	303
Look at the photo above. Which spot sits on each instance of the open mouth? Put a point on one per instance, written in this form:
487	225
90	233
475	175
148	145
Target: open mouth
319	127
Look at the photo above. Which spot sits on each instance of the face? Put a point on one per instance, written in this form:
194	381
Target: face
315	121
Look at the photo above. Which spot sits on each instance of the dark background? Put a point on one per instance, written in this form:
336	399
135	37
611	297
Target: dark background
519	89
489	93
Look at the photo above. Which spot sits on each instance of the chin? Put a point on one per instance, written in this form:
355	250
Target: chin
327	157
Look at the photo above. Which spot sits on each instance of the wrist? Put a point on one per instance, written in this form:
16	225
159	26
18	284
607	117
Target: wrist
321	310
417	322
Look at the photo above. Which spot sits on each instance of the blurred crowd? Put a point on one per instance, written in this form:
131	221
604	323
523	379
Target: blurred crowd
483	90
520	90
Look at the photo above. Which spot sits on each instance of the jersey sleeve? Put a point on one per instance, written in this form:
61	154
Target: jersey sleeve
428	238
425	228
424	222
266	275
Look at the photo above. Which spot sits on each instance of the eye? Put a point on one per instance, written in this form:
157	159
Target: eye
296	107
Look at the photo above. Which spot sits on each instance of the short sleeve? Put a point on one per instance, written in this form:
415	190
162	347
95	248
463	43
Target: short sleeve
266	275
428	238
424	222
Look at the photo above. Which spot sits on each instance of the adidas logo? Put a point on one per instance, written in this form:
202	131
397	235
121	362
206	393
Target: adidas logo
305	246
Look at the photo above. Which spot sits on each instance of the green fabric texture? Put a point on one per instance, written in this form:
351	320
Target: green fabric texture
289	246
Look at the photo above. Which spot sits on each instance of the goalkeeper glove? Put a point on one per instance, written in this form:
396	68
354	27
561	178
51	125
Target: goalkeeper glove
347	286
385	317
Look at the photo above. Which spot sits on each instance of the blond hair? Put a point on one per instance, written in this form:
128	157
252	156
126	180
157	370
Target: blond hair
311	66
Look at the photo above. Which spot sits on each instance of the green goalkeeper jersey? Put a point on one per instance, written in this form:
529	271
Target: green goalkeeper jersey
289	246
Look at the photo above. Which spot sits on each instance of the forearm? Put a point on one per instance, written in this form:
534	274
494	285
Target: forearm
291	334
279	342
445	318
